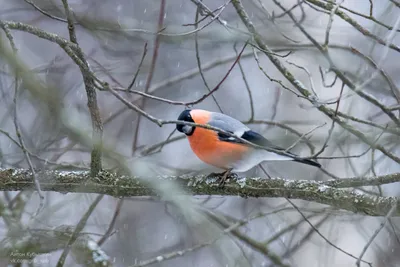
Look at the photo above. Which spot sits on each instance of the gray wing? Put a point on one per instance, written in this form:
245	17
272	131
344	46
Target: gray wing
237	128
228	124
234	126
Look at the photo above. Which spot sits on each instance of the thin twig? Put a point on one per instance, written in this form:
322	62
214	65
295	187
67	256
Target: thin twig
258	246
321	235
304	135
330	22
112	223
246	83
169	140
16	123
323	78
289	228
214	17
161	145
44	12
388	215
196	42
272	79
79	227
183	252
138	68
393	88
220	83
330	132
308	74
156	47
304	239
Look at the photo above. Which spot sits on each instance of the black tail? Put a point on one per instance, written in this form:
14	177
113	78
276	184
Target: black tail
261	141
309	162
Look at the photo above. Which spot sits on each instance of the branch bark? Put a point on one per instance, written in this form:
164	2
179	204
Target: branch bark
97	124
336	193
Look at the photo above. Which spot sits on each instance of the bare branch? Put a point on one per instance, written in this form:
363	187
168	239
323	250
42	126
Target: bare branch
16	122
81	224
319	233
97	124
196	42
330	22
328	192
44	12
112	223
138	68
142	103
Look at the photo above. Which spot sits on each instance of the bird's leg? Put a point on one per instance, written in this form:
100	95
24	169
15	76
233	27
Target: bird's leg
228	174
223	176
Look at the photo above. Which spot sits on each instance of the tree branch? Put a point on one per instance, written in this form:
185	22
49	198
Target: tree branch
97	124
324	192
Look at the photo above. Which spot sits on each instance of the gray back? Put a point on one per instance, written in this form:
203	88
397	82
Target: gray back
228	124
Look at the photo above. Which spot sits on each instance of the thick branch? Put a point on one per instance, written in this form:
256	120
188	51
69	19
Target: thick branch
123	186
97	124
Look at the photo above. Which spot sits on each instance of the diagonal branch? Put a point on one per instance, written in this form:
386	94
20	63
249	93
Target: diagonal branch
81	224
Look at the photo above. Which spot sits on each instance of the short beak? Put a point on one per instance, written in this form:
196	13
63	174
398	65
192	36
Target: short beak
186	129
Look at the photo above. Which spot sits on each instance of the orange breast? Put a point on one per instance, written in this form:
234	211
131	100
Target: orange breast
206	145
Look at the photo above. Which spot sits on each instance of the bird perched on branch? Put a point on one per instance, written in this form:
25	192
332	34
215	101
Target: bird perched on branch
225	151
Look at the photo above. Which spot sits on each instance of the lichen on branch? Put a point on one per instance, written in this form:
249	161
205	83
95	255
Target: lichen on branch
337	193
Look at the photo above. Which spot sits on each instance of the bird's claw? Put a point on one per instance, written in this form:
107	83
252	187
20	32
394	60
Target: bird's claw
223	177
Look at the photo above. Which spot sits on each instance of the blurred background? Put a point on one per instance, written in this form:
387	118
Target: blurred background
114	36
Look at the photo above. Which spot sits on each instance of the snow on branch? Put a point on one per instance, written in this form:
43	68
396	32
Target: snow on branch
338	193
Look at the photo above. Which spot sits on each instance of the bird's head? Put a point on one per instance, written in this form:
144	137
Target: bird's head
186	129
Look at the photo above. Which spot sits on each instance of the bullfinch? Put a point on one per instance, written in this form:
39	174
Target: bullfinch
226	152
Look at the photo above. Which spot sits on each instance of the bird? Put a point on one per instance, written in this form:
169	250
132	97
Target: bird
225	151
